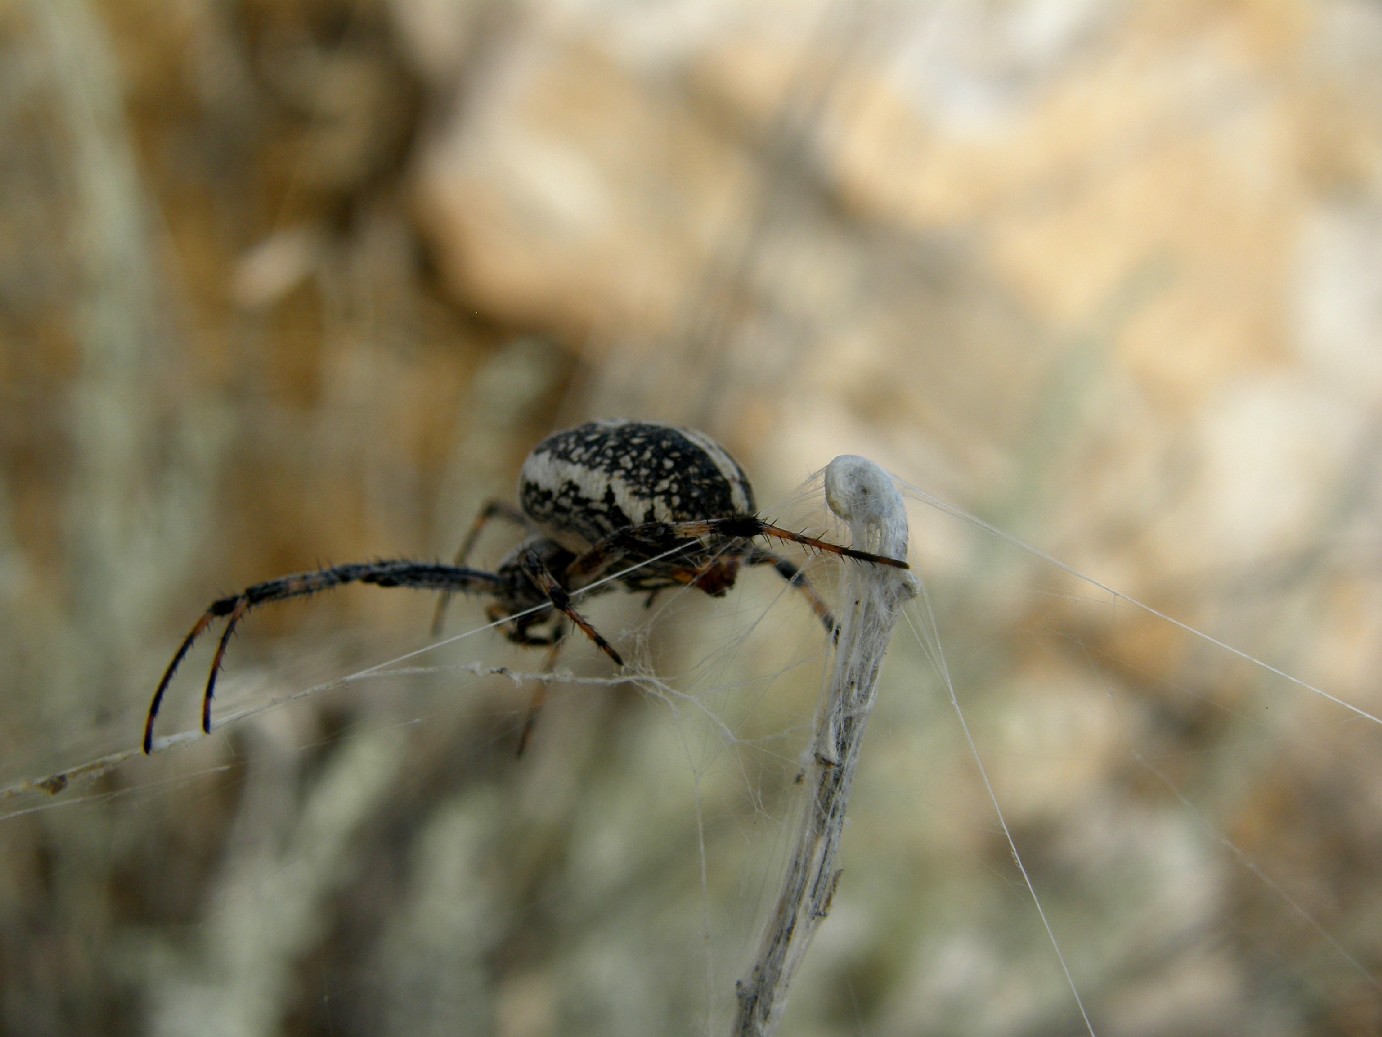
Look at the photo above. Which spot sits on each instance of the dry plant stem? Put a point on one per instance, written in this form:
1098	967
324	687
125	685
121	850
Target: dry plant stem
863	495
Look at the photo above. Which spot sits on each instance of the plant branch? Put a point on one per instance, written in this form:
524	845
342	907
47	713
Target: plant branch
863	495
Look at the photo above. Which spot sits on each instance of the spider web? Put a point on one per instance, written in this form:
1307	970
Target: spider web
1075	814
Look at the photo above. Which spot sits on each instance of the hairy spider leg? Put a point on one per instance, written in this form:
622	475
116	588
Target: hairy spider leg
599	558
242	605
596	560
198	628
789	572
794	576
493	509
536	703
434	576
543	580
748	526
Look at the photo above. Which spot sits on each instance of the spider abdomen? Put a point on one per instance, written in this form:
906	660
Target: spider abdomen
598	479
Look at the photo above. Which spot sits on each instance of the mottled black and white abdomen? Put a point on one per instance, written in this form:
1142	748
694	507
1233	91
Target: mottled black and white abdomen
589	482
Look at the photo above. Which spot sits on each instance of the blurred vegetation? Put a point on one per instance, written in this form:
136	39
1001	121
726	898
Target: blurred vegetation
288	282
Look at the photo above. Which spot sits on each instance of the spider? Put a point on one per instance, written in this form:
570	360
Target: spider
650	506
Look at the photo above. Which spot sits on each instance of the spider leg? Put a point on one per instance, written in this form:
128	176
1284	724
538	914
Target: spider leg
418	575
594	562
748	526
493	509
217	659
198	628
536	703
793	575
536	571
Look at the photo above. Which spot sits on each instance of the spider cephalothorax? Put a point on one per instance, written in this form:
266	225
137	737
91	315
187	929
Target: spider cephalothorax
650	506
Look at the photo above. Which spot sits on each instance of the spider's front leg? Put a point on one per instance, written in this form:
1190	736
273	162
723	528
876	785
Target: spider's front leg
749	526
399	573
716	574
657	537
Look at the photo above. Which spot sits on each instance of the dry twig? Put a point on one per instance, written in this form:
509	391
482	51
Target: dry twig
863	495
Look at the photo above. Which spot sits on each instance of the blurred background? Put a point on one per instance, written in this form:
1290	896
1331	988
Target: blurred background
290	282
